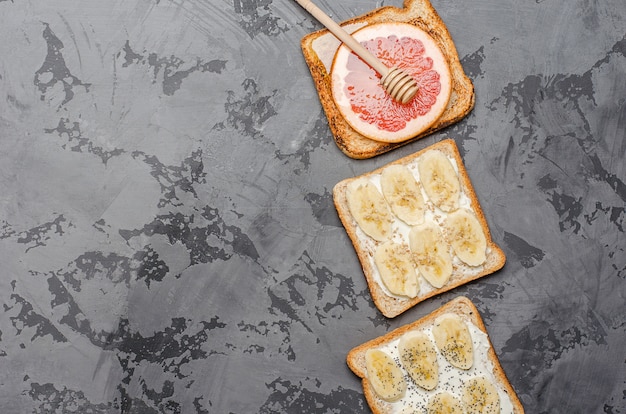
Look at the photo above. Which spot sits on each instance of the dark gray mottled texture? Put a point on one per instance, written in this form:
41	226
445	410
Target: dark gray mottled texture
167	235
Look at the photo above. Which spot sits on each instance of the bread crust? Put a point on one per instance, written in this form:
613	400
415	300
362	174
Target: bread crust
392	306
461	306
416	12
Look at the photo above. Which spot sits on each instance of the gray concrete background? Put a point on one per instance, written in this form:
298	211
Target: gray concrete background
168	242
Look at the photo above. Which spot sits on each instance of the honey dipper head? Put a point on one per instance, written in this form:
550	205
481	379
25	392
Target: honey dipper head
399	85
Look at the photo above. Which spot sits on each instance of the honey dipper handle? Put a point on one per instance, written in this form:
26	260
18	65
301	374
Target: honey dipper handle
344	36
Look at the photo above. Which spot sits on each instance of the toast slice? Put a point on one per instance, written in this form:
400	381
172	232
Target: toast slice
451	379
365	246
319	49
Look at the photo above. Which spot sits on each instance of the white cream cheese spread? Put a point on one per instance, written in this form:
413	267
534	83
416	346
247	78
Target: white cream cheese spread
451	379
400	233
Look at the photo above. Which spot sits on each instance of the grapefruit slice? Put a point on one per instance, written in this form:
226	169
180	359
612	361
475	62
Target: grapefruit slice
363	102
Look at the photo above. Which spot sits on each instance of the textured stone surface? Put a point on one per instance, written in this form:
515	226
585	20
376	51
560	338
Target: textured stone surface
167	235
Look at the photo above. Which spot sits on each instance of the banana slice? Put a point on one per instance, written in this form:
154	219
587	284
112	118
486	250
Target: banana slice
444	403
440	180
418	356
454	340
385	375
403	194
480	396
396	268
467	237
369	208
431	253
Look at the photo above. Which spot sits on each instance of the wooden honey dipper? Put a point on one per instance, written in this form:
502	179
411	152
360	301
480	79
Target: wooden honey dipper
399	85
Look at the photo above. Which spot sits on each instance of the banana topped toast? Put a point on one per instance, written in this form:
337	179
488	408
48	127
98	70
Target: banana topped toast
417	227
442	363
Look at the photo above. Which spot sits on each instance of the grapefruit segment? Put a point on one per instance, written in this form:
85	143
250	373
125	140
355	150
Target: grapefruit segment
363	102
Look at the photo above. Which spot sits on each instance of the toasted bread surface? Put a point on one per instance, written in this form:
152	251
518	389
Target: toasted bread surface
319	48
392	305
461	306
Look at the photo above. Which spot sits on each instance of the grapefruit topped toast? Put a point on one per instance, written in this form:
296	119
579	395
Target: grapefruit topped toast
363	120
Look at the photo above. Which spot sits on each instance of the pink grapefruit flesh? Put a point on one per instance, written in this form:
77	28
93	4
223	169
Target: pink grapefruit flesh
363	102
